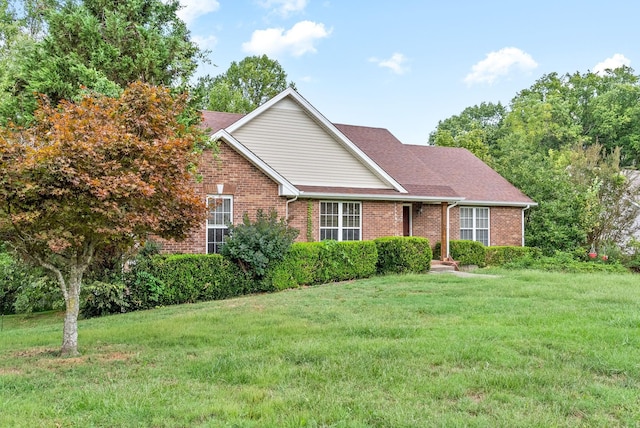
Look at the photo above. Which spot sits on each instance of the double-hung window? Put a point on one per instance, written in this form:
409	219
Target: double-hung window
474	224
341	221
220	216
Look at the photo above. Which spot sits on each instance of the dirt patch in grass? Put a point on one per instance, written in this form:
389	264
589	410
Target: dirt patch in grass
10	371
51	359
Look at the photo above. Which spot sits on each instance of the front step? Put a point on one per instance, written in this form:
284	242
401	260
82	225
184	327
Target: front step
438	266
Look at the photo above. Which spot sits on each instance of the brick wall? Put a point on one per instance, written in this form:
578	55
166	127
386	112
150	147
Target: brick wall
505	225
426	222
251	189
378	219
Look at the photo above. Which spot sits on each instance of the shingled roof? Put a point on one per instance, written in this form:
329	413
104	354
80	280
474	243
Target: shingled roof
437	170
424	171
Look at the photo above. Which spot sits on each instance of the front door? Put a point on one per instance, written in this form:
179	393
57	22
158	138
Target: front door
406	220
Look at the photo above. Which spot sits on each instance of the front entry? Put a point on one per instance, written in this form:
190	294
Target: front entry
406	220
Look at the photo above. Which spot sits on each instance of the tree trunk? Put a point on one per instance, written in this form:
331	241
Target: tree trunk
72	302
70	287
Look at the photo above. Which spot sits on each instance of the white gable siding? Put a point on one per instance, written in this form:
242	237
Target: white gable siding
292	143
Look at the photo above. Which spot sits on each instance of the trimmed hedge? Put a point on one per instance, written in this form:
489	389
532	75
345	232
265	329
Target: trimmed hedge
341	261
500	255
169	280
299	267
309	263
403	254
466	252
188	278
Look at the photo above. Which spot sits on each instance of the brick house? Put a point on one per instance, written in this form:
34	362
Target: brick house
346	182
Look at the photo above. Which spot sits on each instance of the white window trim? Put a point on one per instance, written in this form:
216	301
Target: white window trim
474	229
216	226
340	227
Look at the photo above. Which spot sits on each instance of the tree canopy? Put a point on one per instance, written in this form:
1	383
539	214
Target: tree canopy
245	85
567	142
97	172
64	50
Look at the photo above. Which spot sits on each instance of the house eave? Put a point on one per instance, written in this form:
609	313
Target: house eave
377	197
500	203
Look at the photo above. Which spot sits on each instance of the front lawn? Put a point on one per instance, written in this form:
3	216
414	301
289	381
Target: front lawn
524	349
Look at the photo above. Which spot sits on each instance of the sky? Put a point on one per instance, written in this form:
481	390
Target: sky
407	64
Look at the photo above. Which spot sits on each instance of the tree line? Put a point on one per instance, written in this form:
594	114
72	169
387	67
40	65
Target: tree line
572	143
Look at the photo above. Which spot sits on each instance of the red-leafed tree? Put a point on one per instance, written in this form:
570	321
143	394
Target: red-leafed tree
101	171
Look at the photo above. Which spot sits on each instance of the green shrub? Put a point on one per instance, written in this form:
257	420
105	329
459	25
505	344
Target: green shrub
103	298
309	263
25	289
257	245
186	278
299	266
466	252
340	261
403	254
564	262
500	255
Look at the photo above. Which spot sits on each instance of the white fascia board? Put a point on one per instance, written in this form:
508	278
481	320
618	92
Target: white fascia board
285	188
324	122
500	204
370	197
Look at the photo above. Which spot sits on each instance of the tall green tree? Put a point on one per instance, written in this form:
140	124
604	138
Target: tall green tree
95	45
565	142
245	85
477	129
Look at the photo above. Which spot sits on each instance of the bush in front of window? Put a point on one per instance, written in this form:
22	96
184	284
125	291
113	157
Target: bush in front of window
403	254
254	246
310	263
299	267
466	252
341	261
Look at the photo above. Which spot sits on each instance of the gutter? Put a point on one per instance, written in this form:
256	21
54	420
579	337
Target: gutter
295	198
378	197
523	210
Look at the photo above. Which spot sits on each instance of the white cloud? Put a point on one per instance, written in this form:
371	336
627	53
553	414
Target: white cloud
284	7
498	64
193	9
297	41
395	63
616	61
208	42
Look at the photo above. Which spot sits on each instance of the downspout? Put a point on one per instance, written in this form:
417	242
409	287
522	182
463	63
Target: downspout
448	208
287	206
523	210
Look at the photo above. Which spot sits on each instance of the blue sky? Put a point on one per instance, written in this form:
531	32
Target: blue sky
405	65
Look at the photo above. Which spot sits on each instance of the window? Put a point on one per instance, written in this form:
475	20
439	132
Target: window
340	221
474	224
220	216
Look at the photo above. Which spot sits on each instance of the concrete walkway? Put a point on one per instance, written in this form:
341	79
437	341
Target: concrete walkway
464	274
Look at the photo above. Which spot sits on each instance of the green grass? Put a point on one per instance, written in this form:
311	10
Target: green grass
524	349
